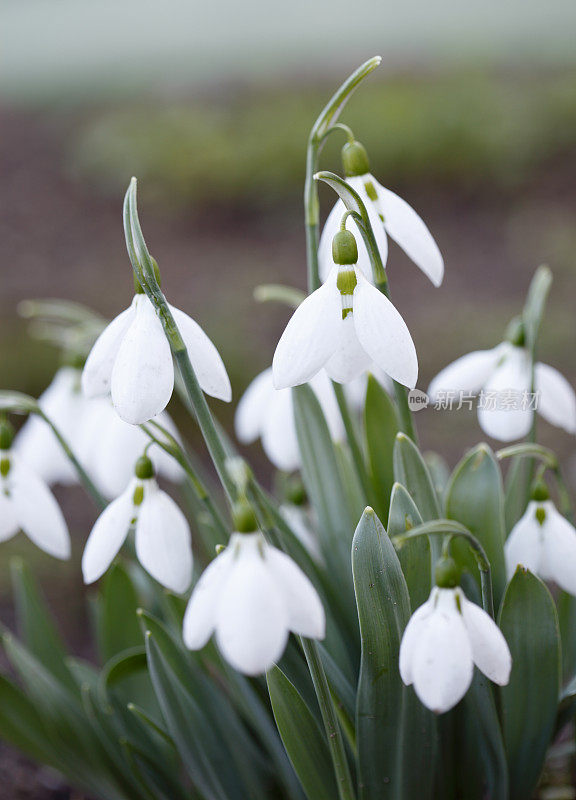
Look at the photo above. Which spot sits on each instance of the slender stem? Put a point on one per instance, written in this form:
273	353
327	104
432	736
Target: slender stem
353	443
82	474
445	527
179	454
330	719
405	415
312	213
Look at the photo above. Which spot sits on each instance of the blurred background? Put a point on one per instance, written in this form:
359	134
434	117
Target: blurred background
471	118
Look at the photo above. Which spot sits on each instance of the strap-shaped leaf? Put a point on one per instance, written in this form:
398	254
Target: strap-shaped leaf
36	626
535	303
394	732
475	498
566	605
381	427
302	738
414	555
529	622
118	627
328	497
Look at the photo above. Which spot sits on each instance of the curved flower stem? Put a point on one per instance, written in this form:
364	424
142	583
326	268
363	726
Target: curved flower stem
173	448
330	719
353	443
145	273
82	474
447	527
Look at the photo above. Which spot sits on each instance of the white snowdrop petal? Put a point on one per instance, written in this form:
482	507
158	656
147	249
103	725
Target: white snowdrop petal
201	612
204	356
279	438
8	522
64	404
108	535
349	359
559	550
305	610
331	228
253	406
383	333
410	639
490	651
467	374
143	374
358	182
442	666
510	418
325	393
524	544
252	624
556	398
309	338
36	510
163	544
409	231
97	373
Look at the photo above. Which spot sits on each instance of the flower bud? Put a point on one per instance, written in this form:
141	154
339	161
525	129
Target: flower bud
515	333
144	469
344	249
355	159
539	491
447	574
6	435
244	518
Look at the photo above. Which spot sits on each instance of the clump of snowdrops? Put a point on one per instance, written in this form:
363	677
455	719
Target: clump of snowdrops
374	628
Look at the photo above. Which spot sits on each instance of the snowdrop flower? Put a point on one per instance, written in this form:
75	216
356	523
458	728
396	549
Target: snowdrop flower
268	413
503	375
544	542
132	360
344	326
163	544
108	448
27	504
65	406
443	641
251	596
389	216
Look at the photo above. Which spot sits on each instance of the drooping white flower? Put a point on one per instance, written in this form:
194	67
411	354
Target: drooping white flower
251	596
389	216
443	640
27	504
131	359
108	448
544	542
344	326
267	413
65	406
503	375
162	535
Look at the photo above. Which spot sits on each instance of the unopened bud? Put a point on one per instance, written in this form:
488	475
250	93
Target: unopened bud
355	159
344	249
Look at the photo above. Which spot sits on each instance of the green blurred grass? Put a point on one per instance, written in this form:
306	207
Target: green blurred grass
481	129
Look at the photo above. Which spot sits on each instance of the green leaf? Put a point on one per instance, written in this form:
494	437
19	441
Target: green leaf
517	490
381	427
535	303
411	471
121	666
394	732
414	555
529	622
566	605
36	626
302	738
328	497
118	627
187	725
475	498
